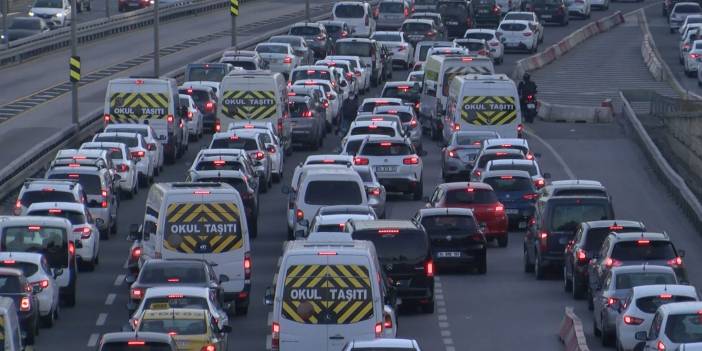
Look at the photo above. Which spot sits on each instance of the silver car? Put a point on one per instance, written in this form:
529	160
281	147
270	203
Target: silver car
458	157
391	14
279	56
374	190
410	122
308	123
680	12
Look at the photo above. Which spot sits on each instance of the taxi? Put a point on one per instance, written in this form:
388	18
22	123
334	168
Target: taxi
192	329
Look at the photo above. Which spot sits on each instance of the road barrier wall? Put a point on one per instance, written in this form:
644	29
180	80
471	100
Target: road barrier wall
571	332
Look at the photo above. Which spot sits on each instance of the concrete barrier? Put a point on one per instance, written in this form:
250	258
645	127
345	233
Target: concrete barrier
574	114
571	332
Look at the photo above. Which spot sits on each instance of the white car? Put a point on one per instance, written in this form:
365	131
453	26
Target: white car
402	51
369	104
642	305
357	14
526	16
361	72
279	56
690	20
194	119
138	148
124	165
36	269
387	129
673	326
497	50
347	79
421	50
154	147
351	144
518	35
507	6
56	13
580	8
680	11
693	58
273	146
84	228
330	219
335	100
415	76
383	344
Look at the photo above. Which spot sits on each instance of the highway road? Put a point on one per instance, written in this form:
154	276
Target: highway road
503	310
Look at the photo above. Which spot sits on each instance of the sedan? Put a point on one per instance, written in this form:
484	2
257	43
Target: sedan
458	157
279	56
22	27
497	49
693	59
402	50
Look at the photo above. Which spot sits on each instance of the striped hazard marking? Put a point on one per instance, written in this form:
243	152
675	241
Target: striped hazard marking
249	104
135	107
327	294
203	228
488	110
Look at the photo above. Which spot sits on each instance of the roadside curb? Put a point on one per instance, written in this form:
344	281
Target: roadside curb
571	332
567	113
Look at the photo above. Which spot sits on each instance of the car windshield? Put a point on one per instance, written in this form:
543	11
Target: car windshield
353	146
386	149
115	153
650	304
441	225
409	92
414	27
30	197
235	143
371	105
630	280
236	183
45	240
54	4
349	11
394	7
172	325
643	250
27	268
596	236
373	129
513	27
471	46
174	273
130	141
271	49
10	284
387	37
176	301
498	156
509	183
26	24
395	245
684	328
470	196
126	346
218	165
74	217
206	74
567	216
90	182
305	31
530	168
302	74
519	16
481	36
361	49
333	192
687	9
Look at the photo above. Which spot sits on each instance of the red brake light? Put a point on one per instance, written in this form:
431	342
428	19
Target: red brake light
275	336
615	227
307	114
73	165
106	117
25	304
540	183
467	59
643	242
610	262
386	144
520	127
170	118
9	262
452	154
219	163
209	106
173	280
378	329
84	232
122	168
299	214
360	161
412	160
387	324
71	248
287	59
259	155
499	208
218	126
247	265
175	296
665	296
55	210
210	347
582	256
675	262
136	252
506	177
413	123
136	343
543	235
429	268
660	345
18	204
374	191
201	192
388	231
530	196
326	253
138	154
34	228
632	320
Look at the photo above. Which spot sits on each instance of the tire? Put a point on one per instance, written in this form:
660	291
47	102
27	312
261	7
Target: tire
427	308
88	266
253	229
482	266
577	291
672	31
70	298
418	191
48	320
528	266
170	158
128	194
276	177
567	283
241	311
104	234
538	268
143	180
595	331
29	340
607	338
502	241
590	304
264	186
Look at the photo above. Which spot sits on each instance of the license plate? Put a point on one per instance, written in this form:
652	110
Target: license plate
448	254
512	211
385	168
546	16
483	11
452	23
531	106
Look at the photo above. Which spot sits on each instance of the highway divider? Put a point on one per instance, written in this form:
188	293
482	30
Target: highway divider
30	47
564	113
571	332
13	175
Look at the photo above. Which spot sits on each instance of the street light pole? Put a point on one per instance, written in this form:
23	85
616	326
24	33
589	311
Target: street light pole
107	8
233	32
5	9
157	50
307	10
74	53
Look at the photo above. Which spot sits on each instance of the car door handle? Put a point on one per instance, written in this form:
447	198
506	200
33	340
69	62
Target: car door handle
336	337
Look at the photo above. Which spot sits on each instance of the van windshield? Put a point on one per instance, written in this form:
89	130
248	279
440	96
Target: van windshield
349	11
334	192
125	346
206	74
361	49
45	240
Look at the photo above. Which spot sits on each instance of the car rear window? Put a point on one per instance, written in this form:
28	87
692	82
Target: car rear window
472	139
530	168
72	216
298	109
10	284
471	46
173	273
684	328
414	27
395	7
481	36
332	28
129	141
579	192
45	240
125	346
519	16
596	236
643	250
509	183
630	280
176	301
211	74
470	196
408	92
567	216
333	192
177	326
369	106
184	102
353	146
27	268
238	143
498	156
687	9
387	37
442	225
91	183
271	49
513	27
302	74
386	149
330	228
115	153
236	183
246	65
650	304
218	165
305	31
377	130
349	11
199	96
394	244
361	49
31	197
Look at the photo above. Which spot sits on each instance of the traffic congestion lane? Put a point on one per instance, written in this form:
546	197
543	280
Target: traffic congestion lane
667	45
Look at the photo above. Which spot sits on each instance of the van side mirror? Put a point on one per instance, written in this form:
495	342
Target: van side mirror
546	175
57	272
135	232
78	244
304	223
299	234
641	336
130	279
223	278
268	297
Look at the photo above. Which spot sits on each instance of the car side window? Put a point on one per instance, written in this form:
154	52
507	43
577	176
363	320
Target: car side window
655	326
605	248
607	281
578	235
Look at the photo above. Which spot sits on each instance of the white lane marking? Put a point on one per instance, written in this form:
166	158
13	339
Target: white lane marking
450	348
110	299
446	333
102	318
555	153
443	303
119	280
92	341
443	325
439	296
441	310
269	319
438	291
442	317
448	341
269	342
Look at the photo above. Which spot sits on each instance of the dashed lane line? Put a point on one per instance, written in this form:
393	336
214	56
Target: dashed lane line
441	316
119	279
110	299
102	318
92	341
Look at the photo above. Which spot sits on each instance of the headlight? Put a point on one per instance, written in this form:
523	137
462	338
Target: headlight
59	15
31	13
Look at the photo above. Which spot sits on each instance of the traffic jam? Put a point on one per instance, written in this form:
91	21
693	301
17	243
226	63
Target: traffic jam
383	85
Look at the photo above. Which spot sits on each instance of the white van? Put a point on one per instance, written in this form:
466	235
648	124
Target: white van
260	96
149	101
483	103
439	70
202	221
10	334
327	294
358	16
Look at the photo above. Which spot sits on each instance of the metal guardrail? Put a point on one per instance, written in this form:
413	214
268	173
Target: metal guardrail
26	48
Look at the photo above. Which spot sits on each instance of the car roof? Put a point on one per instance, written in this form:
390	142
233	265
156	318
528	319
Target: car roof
70	206
506	141
681	307
481	30
321	237
509	21
103	144
342	218
384	223
495	151
200	291
355	40
506	173
378	123
512	161
82	169
401	108
465	185
136	336
381	99
50	183
445	211
196	85
326	171
571	182
674	289
399	83
636	268
21	256
237	132
384	343
612	222
641	235
34	220
121	134
174	313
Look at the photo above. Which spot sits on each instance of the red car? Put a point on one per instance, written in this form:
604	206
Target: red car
480	198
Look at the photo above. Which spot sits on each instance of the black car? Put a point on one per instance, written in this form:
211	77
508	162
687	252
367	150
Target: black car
487	13
22	27
553	227
586	244
550	11
337	30
457	16
456	239
205	99
157	272
404	253
14	284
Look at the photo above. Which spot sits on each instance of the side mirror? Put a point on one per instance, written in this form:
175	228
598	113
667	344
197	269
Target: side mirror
546	175
482	227
130	279
299	234
57	272
78	244
223	278
304	223
285	189
268	297
681	253
151	147
641	336
226	329
134	232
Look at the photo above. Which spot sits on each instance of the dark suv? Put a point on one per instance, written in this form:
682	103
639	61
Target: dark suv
487	13
553	227
404	254
553	11
457	16
14	284
586	244
624	249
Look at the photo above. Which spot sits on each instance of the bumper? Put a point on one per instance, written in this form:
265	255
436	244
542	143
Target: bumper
143	166
399	184
87	252
579	11
517	45
103	214
517	215
416	294
625	336
238	296
208	121
192	127
27	321
465	256
126	183
552	258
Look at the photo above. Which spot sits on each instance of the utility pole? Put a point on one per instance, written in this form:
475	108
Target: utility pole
74	65
234	12
307	10
4	7
157	50
107	8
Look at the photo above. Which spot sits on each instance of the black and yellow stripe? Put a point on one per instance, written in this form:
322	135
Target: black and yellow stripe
234	7
197	215
249	104
135	107
489	114
74	66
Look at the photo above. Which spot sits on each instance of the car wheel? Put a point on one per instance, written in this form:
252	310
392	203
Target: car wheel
418	191
48	320
595	330
253	228
88	266
276	177
590	303
264	186
567	283
143	181
503	240
672	30
606	334
577	291
538	268
528	266
482	265
29	339
428	307
104	235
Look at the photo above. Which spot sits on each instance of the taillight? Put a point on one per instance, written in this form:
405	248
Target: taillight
429	268
271	149
107	118
694	56
209	106
344	34
520	127
275	336
527	34
378	330
209	347
660	345
610	262
452	153
539	183
455	126
122	168
360	161
18	206
325	104
218	126
496	9
25	304
387	322
413	123
431	33
375	191
43	284
287	60
412	160
136	293
581	255
613	303
83	231
631	320
543	240
530	196
247	265
675	262
170	119
136	253
307	114
299	214
71	248
190	115
138	154
259	155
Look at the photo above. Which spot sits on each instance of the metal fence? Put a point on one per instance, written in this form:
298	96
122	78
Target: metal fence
661	106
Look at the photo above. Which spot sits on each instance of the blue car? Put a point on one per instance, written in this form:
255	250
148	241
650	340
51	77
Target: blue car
516	191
